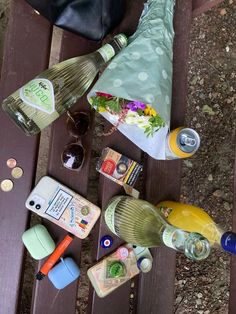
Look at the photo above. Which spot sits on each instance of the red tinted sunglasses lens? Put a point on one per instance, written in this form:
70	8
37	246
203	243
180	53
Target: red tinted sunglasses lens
78	124
73	156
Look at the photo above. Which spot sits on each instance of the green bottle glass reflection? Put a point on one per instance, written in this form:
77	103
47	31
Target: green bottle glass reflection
45	98
140	223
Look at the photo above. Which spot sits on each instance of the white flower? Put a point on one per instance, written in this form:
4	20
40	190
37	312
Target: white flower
133	117
143	121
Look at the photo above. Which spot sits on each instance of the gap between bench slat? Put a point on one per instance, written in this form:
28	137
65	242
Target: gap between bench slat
119	300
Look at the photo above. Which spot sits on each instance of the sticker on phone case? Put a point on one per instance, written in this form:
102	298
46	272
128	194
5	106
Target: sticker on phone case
59	204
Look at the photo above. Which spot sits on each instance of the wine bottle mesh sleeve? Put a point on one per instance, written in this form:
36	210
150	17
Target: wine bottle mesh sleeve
45	98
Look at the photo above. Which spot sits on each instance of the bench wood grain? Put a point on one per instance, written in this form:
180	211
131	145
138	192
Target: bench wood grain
27	50
26	54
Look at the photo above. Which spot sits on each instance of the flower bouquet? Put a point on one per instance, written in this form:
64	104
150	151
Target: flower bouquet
130	112
134	92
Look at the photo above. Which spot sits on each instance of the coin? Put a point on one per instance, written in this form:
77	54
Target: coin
17	172
11	162
6	185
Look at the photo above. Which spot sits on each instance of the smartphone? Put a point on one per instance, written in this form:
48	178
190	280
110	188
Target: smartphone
62	206
100	280
99	276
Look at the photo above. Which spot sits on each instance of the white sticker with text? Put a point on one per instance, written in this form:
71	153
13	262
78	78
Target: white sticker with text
59	204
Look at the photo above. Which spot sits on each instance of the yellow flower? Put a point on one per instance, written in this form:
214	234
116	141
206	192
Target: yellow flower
149	111
153	112
101	109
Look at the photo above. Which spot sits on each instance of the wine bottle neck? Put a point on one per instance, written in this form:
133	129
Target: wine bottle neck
109	50
193	245
174	237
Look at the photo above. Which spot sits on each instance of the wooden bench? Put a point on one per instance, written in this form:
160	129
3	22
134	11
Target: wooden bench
27	51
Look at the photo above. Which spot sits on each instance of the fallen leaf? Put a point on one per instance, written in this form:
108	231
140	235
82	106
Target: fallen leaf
207	109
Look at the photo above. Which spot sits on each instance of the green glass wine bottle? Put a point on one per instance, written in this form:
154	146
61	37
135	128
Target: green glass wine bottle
140	223
45	98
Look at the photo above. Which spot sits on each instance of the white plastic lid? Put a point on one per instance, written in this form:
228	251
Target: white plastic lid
144	264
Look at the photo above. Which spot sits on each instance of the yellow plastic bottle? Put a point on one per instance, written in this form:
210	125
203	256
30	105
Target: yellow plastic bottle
191	218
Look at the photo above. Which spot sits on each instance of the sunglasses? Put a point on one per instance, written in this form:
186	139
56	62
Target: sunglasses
73	154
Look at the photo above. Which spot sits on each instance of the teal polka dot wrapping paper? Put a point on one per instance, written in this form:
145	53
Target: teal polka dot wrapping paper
143	72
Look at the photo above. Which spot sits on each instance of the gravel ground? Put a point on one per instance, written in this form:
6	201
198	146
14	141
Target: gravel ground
207	178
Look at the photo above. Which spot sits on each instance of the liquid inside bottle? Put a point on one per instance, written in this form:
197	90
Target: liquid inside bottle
192	219
42	100
134	223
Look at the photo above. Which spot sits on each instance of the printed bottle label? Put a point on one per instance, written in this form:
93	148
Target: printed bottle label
167	236
39	94
110	215
107	52
165	210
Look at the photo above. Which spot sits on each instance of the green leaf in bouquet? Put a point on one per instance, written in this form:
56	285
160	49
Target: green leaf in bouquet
114	105
98	102
140	112
149	131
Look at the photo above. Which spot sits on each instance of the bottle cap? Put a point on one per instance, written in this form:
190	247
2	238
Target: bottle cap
144	264
106	242
228	242
116	269
122	253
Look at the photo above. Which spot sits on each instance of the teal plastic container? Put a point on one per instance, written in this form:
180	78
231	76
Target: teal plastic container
38	242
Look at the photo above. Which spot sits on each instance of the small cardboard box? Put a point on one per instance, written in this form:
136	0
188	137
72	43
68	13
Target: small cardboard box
118	167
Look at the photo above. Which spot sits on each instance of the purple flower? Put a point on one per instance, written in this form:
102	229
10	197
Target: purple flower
135	105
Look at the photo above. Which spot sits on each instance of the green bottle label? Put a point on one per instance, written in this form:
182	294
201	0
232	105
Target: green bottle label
107	52
167	236
174	238
39	94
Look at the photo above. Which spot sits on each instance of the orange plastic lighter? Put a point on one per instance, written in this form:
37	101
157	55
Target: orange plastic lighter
54	257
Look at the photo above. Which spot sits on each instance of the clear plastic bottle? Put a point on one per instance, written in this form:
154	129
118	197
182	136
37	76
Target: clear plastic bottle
42	100
195	219
191	218
140	223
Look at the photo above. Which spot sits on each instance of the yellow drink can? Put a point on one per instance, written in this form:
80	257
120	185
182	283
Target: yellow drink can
182	143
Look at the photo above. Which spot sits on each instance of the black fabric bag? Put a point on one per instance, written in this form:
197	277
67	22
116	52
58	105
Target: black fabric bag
93	19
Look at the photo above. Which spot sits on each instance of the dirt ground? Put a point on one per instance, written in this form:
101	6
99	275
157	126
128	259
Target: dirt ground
207	178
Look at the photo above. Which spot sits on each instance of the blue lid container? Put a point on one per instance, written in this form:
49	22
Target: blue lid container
228	242
64	273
